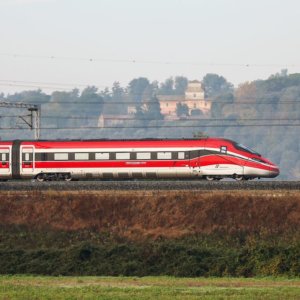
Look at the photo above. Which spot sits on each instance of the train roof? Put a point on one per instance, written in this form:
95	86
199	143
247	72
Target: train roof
119	140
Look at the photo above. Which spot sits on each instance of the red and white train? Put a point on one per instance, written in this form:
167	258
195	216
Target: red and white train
210	158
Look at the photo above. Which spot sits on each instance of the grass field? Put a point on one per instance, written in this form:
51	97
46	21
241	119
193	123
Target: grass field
31	287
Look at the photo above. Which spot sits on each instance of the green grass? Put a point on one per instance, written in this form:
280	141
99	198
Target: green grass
38	287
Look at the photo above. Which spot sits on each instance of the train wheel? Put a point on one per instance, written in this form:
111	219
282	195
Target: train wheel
239	178
209	178
68	177
41	177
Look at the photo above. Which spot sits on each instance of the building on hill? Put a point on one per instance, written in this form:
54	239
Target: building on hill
194	98
114	120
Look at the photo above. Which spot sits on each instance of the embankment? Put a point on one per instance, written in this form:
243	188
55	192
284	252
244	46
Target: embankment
182	233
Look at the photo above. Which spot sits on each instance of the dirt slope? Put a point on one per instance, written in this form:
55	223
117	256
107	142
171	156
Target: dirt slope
140	214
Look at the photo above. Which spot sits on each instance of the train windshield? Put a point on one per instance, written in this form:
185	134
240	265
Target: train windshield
245	148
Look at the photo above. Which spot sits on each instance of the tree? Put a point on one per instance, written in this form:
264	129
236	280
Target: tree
196	112
180	85
94	102
117	91
182	109
118	97
136	88
215	85
166	88
152	110
219	103
34	97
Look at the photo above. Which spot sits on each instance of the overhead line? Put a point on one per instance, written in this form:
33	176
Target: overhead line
155	102
147	127
137	61
156	120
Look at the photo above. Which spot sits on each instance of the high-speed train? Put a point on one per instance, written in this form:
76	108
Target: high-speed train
207	158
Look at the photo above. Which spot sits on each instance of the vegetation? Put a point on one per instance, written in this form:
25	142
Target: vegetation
28	287
91	253
182	234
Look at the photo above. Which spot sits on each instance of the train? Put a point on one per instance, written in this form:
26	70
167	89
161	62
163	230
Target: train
204	158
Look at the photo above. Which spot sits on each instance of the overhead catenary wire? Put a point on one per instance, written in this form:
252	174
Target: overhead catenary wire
156	120
155	126
135	103
141	61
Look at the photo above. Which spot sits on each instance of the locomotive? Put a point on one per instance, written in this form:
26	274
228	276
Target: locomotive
206	158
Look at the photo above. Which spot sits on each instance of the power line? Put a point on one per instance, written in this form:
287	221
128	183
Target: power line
33	86
137	61
52	83
155	126
132	103
157	120
126	102
47	85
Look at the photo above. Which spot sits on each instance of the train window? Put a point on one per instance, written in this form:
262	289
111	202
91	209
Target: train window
41	156
102	155
180	155
143	155
27	156
122	155
259	160
245	148
223	149
61	156
81	156
3	156
164	155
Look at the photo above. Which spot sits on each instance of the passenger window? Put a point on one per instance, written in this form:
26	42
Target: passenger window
145	155
164	155
101	156
81	156
122	156
223	149
61	156
180	155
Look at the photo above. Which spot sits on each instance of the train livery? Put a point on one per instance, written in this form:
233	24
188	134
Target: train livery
209	158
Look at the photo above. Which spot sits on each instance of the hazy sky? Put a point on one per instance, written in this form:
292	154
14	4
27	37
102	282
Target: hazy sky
51	41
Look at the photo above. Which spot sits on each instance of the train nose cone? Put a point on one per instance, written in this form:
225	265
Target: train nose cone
274	172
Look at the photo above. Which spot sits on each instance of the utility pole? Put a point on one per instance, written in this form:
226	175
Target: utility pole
34	116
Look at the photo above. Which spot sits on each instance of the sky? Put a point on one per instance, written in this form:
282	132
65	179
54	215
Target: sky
61	44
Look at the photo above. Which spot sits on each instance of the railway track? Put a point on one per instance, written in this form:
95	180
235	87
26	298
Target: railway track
149	185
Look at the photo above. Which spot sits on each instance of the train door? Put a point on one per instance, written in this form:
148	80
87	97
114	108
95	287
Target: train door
5	166
194	162
27	160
